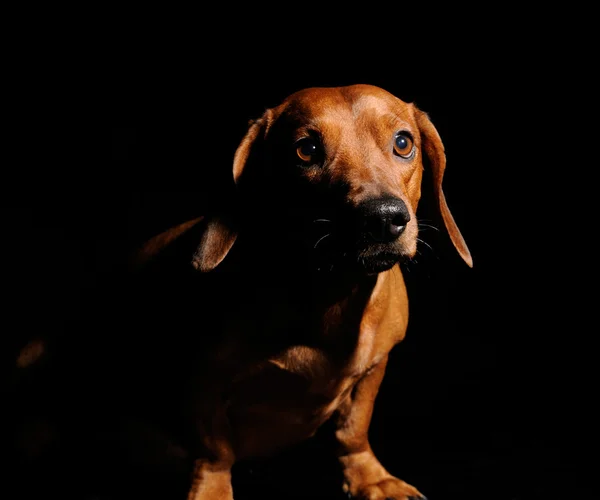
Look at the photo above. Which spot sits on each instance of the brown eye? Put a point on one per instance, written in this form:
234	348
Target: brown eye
403	145
308	151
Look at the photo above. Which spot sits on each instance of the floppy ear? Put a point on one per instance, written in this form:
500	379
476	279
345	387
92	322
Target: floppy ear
250	146
217	239
157	244
221	231
434	149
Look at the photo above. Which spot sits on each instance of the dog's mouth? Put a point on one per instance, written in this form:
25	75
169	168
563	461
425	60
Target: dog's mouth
336	251
374	262
368	239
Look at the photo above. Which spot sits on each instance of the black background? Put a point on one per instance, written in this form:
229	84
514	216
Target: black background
491	394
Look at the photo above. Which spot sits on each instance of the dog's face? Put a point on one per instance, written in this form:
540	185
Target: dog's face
332	176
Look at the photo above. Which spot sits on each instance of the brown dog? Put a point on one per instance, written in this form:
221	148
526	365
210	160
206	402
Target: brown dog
305	298
327	185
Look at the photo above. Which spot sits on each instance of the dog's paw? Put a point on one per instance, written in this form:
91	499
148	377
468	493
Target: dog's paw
387	489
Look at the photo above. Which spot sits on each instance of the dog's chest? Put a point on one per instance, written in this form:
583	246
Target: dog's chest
288	392
285	399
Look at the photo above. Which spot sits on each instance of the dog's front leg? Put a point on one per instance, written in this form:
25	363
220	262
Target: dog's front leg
211	479
364	477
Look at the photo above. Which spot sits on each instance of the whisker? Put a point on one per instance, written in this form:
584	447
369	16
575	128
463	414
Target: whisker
321	239
424	226
426	244
321	220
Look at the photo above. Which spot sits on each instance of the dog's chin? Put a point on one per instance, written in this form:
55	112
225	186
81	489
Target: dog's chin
380	257
379	262
361	258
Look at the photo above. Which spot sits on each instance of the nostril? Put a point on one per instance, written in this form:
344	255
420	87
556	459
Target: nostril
396	230
383	229
401	218
397	224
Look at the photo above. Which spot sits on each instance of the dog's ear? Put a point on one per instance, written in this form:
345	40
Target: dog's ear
157	245
434	149
221	230
251	146
217	239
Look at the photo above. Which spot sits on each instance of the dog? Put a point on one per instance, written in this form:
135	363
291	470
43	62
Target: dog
306	296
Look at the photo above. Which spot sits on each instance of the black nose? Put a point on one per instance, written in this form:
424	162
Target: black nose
384	219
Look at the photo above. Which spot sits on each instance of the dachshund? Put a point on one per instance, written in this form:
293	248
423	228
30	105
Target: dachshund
292	295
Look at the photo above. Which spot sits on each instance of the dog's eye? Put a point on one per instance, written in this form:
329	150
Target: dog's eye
403	145
308	151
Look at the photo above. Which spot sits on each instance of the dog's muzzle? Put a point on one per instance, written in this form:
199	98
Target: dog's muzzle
365	237
380	224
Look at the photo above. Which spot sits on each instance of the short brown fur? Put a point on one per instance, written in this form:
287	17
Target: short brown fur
344	328
297	313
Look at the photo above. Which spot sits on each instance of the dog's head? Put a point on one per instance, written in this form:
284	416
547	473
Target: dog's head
332	176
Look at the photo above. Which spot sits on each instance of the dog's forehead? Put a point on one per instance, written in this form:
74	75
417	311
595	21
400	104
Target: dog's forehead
328	103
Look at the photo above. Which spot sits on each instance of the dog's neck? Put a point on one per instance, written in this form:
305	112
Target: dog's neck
320	302
252	264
